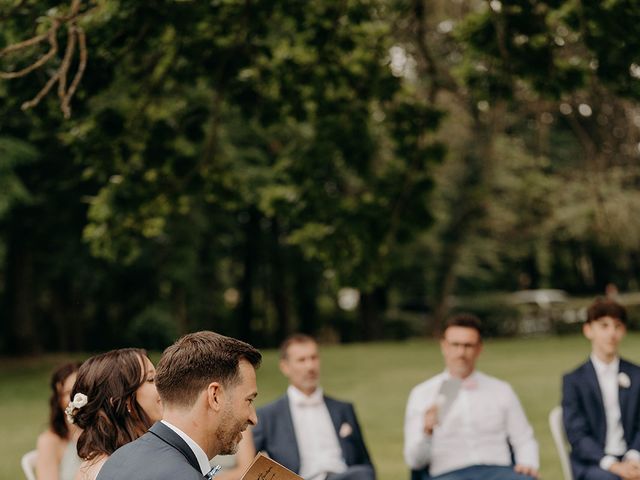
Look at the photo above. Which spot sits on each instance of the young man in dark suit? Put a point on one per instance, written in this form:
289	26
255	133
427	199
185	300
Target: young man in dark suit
601	402
316	436
207	383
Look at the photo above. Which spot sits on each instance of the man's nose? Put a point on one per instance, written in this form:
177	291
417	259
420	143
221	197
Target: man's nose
253	418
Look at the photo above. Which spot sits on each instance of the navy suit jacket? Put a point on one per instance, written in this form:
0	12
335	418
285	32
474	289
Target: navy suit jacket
584	417
160	454
275	434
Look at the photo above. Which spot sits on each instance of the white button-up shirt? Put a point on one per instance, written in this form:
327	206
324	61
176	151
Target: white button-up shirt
318	444
484	418
607	374
615	445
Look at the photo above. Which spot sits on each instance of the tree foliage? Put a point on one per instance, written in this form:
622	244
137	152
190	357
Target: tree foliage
236	165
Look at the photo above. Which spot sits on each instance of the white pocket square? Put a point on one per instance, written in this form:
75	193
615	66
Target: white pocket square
345	430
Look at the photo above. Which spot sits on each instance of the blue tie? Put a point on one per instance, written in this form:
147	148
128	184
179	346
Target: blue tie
213	472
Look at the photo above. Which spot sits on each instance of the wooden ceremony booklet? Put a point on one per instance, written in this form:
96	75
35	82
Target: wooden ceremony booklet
264	468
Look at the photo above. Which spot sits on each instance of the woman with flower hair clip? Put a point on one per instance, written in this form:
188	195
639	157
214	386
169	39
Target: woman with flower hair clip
113	401
56	457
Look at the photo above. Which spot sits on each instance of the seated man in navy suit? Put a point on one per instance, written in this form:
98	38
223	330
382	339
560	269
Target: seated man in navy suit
463	424
601	402
316	436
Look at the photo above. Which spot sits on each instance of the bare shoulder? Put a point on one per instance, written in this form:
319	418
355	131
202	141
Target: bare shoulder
89	469
48	440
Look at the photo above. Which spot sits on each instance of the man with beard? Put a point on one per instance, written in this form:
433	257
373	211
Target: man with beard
316	436
207	384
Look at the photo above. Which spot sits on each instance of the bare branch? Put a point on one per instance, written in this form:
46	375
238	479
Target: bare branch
76	42
66	61
53	42
82	41
35	100
27	43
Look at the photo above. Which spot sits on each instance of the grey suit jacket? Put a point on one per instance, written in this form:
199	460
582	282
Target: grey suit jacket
160	454
275	434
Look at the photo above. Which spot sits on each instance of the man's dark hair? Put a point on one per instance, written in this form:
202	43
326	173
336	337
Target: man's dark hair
466	320
604	307
197	359
294	338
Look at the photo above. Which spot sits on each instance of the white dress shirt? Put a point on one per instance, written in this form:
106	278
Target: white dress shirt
615	445
318	443
203	461
484	416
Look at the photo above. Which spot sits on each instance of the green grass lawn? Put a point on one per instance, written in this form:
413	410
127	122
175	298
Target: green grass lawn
376	377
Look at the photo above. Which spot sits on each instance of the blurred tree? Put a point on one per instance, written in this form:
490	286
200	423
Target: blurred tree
533	119
270	141
235	165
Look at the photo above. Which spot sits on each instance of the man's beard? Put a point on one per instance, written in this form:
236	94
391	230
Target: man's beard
228	433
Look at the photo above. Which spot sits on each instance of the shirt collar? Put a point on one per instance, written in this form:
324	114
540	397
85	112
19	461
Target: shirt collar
604	368
297	397
473	376
203	461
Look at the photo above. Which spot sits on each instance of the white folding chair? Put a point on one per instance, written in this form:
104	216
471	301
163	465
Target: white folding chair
28	463
560	439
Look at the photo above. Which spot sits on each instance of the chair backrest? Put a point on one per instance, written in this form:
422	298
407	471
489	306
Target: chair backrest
560	439
28	463
422	474
419	474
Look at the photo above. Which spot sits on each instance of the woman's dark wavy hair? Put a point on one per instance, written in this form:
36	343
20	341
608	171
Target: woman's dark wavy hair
57	421
112	417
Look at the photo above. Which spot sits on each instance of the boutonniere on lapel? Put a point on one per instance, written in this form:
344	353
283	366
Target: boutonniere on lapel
623	380
345	430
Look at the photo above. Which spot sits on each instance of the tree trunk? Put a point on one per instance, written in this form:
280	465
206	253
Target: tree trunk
252	233
21	328
180	309
372	308
467	210
279	284
305	290
60	315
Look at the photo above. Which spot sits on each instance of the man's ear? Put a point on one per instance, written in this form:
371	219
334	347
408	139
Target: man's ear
586	330
215	394
284	367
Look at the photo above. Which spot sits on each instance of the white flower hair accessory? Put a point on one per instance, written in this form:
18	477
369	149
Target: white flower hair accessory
623	380
79	401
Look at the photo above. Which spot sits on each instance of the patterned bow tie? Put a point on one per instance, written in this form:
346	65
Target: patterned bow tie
213	472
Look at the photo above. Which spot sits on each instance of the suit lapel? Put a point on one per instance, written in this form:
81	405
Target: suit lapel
337	418
623	398
592	383
290	431
334	414
170	437
593	387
